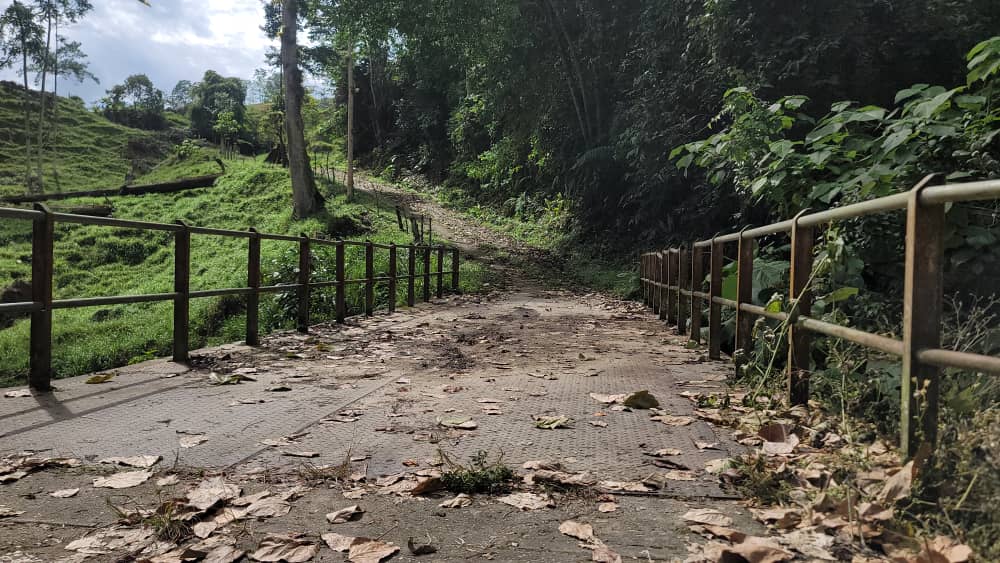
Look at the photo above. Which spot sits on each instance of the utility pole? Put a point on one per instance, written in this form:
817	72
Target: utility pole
350	122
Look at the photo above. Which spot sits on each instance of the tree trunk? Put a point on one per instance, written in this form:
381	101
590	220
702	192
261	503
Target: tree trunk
306	199
27	120
350	123
39	163
54	133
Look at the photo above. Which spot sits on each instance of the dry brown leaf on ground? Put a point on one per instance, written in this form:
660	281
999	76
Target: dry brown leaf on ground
583	532
270	507
678	475
17	393
100	378
352	512
785	447
604	554
192	441
641	400
287	548
898	486
608	399
527	501
167	481
671	420
223	554
367	550
598	423
142	461
106	541
707	516
299	454
943	549
706	445
460	501
759	550
212	491
607	507
338	542
552	422
461	423
8	512
542	464
782	518
665	452
204	529
123	480
64	493
420	548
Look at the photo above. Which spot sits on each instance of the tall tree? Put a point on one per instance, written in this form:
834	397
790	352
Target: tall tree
306	199
23	41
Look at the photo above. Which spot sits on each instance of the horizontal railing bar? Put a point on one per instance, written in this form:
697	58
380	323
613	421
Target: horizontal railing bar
881	343
888	203
970	191
112	222
22	307
763	312
221	292
323	284
355	282
354	243
111	300
963	360
278	288
15	213
685	292
220	232
290	238
724	302
702	294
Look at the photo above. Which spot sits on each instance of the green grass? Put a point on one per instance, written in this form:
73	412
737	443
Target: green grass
87	152
99	261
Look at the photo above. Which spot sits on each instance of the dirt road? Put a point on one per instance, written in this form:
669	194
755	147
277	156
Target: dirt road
371	413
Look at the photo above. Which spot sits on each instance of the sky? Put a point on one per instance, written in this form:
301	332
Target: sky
170	41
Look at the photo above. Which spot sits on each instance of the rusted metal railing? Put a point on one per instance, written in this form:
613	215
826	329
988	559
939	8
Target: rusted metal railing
42	303
665	277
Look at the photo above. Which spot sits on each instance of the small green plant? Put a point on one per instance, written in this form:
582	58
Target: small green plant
185	150
480	476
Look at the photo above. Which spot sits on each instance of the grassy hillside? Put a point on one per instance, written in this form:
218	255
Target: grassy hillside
98	261
85	151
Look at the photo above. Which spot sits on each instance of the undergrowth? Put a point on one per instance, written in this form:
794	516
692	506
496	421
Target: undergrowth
480	476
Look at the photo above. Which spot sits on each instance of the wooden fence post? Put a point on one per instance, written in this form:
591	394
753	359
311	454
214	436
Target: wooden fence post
643	286
305	265
392	278
341	289
182	288
800	301
697	279
430	230
714	309
427	273
42	242
744	294
369	279
683	278
454	270
440	272
922	296
672	265
662	275
253	282
399	218
411	278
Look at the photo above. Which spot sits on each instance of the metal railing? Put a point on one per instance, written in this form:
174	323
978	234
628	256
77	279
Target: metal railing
673	281
42	303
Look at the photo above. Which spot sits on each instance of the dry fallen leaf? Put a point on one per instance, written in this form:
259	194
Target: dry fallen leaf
462	423
352	512
287	548
7	512
608	399
598	423
607	507
707	516
64	493
123	480
211	491
100	378
367	550
460	501
168	481
420	549
527	501
898	486
552	422
338	542
299	454
943	549
192	441
583	532
17	393
671	420
142	461
604	554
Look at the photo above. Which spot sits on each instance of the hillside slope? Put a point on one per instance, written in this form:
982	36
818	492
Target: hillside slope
84	151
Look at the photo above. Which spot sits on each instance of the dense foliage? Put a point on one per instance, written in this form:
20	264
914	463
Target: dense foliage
509	99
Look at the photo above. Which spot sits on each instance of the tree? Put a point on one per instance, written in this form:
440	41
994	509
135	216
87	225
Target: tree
180	97
135	103
211	97
306	199
23	41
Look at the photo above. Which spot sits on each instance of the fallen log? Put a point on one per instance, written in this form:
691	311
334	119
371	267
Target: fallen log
163	187
91	210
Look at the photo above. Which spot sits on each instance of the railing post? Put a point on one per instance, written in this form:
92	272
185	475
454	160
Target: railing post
662	275
440	272
253	282
714	309
340	298
392	278
697	262
430	230
800	301
643	286
305	265
42	242
454	270
922	296
369	279
427	273
399	218
411	278
672	265
683	277
653	276
182	288
744	293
